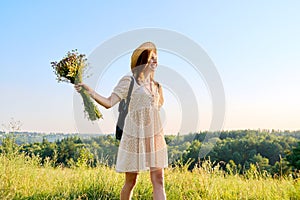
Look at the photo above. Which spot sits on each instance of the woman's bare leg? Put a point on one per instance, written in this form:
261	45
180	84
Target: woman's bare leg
157	179
130	180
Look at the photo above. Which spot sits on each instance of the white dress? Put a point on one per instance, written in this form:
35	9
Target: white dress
143	145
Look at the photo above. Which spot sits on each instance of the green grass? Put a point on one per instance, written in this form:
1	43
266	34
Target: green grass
22	177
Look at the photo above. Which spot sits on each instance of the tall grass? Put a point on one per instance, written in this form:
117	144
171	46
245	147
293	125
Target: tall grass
22	177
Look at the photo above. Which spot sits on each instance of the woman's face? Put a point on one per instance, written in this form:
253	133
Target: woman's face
152	63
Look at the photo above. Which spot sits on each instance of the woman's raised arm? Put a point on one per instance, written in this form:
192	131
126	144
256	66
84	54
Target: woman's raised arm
106	102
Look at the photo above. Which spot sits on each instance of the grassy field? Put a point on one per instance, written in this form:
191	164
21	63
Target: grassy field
22	177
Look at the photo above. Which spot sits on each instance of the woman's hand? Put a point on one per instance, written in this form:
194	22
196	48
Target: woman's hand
81	86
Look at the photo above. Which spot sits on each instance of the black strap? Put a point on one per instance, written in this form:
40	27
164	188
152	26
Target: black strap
129	92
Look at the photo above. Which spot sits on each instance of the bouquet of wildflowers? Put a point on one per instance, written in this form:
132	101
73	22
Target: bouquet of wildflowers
70	69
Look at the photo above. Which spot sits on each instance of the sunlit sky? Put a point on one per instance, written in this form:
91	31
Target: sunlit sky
254	45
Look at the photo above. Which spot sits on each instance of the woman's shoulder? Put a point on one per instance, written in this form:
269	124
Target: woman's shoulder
127	76
125	79
157	84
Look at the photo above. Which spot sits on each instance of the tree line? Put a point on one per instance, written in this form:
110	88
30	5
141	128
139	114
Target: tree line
274	152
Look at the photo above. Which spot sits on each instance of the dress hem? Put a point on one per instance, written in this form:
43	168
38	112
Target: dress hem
141	170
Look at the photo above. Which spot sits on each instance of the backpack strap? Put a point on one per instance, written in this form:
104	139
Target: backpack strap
129	92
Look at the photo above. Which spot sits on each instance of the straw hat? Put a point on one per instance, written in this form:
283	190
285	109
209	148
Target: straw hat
137	52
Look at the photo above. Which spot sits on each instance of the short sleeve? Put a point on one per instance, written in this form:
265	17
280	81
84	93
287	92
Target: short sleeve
121	89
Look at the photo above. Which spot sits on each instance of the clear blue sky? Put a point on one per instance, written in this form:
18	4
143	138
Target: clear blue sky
255	46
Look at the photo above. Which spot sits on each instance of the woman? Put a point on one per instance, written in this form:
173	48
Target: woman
142	146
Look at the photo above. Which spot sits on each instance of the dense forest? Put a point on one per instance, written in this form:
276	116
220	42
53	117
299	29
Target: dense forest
274	152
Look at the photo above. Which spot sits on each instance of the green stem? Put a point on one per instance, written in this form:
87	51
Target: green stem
90	108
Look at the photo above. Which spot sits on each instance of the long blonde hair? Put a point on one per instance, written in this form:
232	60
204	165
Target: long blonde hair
139	59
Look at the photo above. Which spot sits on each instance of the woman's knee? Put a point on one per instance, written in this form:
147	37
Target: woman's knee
157	177
130	179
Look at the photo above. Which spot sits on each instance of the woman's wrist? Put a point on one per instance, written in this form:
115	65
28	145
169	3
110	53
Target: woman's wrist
92	93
